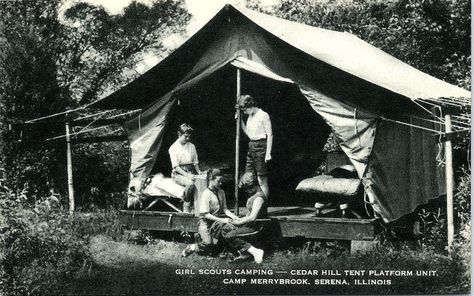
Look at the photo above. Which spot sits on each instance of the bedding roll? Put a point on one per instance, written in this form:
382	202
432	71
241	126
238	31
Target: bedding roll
328	185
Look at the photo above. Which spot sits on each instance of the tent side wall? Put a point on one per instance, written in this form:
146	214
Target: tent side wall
403	171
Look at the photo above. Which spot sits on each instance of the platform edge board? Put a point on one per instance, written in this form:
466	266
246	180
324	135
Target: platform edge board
282	218
159	222
317	227
325	229
154	213
323	219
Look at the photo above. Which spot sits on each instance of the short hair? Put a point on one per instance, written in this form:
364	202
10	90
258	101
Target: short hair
212	174
247	101
248	180
185	129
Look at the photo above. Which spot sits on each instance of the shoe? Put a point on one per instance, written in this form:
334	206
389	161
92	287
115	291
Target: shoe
258	256
242	257
187	251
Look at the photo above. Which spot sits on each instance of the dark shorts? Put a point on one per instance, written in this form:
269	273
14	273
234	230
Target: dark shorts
256	158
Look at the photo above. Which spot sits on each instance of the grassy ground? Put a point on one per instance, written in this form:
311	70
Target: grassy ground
124	268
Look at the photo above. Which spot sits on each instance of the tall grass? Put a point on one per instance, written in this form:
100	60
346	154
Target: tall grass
42	249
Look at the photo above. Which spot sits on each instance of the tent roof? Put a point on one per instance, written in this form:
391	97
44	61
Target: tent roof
357	57
338	49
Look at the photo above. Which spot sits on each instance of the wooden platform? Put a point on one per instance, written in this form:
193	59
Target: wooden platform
290	222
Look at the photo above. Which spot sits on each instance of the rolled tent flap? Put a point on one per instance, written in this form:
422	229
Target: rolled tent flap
355	128
145	134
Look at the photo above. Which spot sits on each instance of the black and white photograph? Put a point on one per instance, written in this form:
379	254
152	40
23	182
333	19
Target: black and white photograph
235	147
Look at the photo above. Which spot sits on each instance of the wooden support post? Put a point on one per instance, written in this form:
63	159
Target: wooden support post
449	184
237	145
69	170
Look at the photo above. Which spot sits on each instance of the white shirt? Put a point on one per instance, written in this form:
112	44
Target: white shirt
183	154
259	125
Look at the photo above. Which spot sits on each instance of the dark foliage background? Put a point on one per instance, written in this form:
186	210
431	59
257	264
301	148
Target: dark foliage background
58	55
55	58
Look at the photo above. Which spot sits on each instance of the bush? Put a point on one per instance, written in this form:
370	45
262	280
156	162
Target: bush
44	249
103	166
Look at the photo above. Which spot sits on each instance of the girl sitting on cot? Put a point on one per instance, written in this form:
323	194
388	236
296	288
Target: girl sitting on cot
185	164
214	215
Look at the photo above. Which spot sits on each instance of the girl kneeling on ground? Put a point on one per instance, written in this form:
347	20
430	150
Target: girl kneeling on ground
213	212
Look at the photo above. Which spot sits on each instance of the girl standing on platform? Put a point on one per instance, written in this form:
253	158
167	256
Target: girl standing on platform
259	131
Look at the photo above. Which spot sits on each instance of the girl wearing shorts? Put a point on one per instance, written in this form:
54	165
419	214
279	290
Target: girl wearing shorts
259	130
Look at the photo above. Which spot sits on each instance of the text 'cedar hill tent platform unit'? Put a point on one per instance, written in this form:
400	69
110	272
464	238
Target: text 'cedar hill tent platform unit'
311	81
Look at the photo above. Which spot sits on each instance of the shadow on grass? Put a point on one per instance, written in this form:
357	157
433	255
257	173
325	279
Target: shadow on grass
153	269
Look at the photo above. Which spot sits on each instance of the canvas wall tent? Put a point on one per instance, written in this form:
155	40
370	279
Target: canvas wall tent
308	79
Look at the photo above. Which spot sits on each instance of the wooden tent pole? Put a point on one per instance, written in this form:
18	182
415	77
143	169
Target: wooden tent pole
69	170
237	146
449	183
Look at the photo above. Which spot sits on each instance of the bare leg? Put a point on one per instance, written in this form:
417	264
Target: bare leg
189	188
187	207
263	182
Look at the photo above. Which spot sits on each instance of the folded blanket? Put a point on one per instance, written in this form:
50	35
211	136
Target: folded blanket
325	184
163	186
